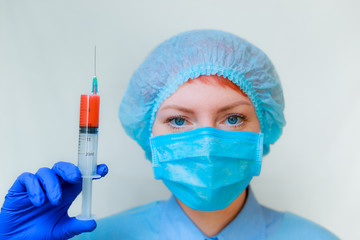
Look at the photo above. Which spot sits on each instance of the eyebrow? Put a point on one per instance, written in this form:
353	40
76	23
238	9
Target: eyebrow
230	106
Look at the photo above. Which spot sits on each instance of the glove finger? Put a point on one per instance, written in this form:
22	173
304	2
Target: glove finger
74	226
67	171
50	183
28	182
102	170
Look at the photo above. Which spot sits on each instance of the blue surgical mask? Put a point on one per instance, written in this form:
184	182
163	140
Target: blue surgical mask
207	168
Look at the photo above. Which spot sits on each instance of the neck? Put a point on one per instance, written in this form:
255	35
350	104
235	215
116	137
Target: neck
213	222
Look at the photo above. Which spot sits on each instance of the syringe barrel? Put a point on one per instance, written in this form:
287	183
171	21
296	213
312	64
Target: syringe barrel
88	136
87	155
89	110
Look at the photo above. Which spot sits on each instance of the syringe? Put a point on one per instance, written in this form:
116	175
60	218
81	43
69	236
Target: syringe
88	142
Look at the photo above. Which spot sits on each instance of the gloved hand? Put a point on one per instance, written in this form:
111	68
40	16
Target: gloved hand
36	205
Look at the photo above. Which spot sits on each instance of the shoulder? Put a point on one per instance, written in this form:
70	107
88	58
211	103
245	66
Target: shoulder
292	226
137	214
135	223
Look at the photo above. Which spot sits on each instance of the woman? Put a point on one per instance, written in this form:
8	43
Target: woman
205	106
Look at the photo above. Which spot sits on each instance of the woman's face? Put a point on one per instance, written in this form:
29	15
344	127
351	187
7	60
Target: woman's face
196	104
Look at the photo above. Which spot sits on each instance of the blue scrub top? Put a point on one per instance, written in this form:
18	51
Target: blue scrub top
165	220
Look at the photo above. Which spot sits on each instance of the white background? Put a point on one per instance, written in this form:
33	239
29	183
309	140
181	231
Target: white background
46	62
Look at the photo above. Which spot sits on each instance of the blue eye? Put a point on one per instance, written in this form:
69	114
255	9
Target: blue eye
234	120
177	121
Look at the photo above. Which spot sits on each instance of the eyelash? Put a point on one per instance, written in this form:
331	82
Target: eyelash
242	117
173	118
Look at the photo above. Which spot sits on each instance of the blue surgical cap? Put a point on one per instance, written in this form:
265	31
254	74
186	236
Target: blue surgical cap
202	52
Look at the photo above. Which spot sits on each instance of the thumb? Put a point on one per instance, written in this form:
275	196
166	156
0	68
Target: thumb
74	226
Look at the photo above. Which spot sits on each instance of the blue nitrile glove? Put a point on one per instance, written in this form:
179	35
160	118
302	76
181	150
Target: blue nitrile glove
36	205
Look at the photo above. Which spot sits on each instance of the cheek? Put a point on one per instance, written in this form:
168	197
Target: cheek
255	127
158	128
253	124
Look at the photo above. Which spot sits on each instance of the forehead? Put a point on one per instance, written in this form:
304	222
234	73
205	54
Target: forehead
206	94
